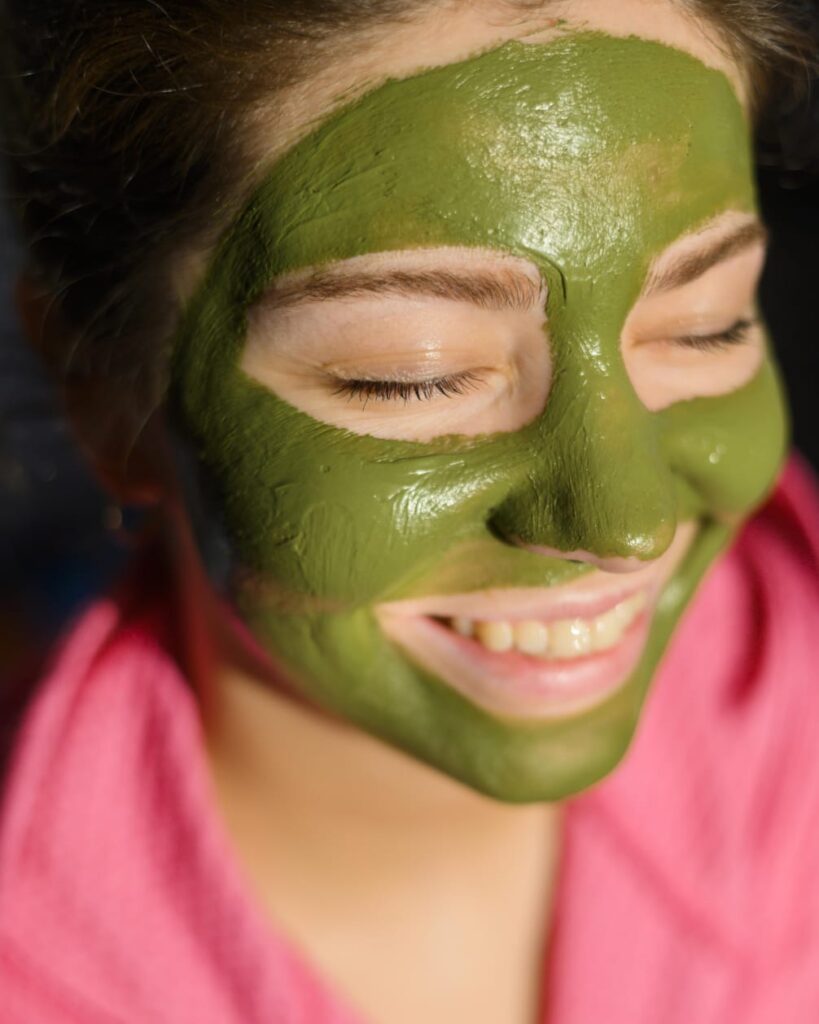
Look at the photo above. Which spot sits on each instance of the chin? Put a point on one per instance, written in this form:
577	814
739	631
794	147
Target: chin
557	766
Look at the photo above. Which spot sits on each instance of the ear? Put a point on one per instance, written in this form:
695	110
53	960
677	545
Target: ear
126	446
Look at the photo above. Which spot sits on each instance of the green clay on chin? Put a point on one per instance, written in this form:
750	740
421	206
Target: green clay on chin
587	155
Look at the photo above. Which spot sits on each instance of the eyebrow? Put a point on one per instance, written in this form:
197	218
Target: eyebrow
507	289
689	267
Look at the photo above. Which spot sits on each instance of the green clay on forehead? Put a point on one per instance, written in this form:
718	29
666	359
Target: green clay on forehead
587	155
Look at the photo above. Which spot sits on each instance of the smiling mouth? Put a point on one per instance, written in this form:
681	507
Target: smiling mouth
525	667
561	639
542	653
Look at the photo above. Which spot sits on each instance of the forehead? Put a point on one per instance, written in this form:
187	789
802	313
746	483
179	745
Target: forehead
578	154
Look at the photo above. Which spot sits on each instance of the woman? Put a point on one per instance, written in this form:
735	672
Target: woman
431	329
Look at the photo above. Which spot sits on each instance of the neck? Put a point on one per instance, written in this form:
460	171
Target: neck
356	850
368	859
282	761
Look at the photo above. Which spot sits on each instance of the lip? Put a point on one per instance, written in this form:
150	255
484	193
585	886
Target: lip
518	686
515	685
569	601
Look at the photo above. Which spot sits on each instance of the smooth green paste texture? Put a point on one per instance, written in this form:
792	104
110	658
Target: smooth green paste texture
587	155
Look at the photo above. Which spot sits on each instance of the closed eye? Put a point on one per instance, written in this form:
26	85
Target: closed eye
735	335
408	390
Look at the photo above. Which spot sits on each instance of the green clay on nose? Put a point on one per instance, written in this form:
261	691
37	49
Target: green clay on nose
587	155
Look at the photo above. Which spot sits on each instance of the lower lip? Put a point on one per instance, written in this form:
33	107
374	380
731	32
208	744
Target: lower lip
514	685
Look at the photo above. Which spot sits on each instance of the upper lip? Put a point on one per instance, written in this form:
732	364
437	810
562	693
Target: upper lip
584	597
563	601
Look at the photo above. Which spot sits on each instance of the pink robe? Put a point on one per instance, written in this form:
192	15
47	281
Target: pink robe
688	890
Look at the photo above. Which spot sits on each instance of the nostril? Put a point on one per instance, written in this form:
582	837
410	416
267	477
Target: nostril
613	563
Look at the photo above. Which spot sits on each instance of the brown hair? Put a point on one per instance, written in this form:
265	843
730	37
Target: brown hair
120	117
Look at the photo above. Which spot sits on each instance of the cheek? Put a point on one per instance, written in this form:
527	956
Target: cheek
728	449
314	512
321	518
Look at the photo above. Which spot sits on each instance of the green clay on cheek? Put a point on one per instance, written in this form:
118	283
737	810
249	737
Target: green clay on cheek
588	156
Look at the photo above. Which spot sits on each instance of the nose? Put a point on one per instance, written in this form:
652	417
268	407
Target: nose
598	488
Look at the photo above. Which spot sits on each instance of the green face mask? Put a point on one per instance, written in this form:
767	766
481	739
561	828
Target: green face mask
587	156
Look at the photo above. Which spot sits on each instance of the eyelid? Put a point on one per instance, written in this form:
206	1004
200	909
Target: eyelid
447	386
736	334
421	365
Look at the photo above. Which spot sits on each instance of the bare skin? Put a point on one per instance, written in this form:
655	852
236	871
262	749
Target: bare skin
416	898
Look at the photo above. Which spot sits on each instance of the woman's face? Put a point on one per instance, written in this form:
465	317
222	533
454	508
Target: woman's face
479	388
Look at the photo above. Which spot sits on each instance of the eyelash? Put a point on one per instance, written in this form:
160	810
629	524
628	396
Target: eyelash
458	384
421	390
735	335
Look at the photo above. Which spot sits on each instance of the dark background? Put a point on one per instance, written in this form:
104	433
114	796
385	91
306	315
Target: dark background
56	542
59	535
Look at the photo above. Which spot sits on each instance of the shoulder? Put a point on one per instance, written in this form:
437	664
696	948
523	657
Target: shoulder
92	675
720	791
107	678
97	783
706	838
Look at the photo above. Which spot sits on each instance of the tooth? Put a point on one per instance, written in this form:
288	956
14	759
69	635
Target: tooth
569	638
531	637
463	625
606	630
629	610
495	636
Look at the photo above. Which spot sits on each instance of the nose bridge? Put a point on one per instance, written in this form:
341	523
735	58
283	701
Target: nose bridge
623	491
598	482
